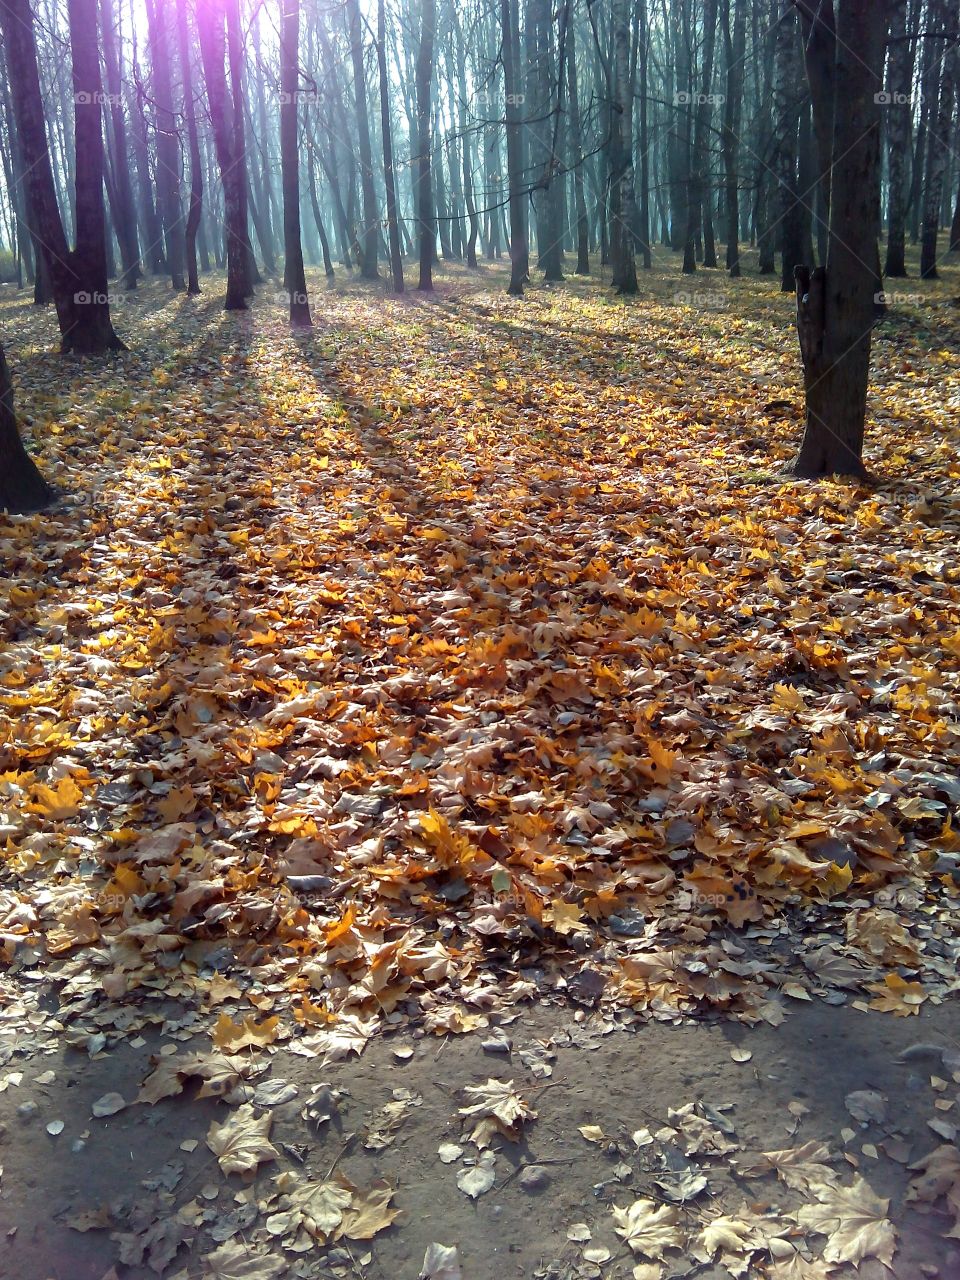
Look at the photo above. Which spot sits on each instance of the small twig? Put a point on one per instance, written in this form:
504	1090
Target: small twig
341	1152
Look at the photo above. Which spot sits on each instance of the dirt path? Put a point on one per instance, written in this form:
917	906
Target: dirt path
622	1081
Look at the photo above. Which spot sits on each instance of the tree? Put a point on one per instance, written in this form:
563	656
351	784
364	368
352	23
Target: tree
294	277
386	131
167	141
787	116
734	43
938	135
425	214
368	242
622	191
195	212
211	22
124	212
897	112
78	277
22	487
519	250
844	44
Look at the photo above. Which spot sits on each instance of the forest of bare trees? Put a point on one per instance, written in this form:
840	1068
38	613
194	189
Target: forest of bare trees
180	138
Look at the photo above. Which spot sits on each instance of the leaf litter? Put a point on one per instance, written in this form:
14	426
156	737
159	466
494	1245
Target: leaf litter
354	711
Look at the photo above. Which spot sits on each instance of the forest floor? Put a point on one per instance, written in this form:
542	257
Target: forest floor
440	744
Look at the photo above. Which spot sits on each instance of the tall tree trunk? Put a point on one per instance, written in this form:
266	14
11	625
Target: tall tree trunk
835	313
318	216
938	137
734	44
22	487
195	213
576	156
786	108
290	162
513	99
425	214
386	131
211	23
168	142
897	111
125	215
622	190
368	239
698	170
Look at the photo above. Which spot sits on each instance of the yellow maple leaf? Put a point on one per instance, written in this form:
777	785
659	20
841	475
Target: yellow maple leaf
895	995
57	803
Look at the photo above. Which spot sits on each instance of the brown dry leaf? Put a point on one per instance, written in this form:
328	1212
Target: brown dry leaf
648	1228
242	1142
237	1260
855	1221
497	1108
369	1212
220	1075
938	1174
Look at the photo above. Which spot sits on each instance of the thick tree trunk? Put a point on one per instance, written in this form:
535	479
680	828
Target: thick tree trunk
22	488
290	163
835	303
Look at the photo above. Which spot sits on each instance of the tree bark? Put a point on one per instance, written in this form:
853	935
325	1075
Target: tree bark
897	111
623	212
938	142
425	213
389	177
835	303
125	214
167	141
290	163
22	487
78	278
519	250
211	23
368	239
195	212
